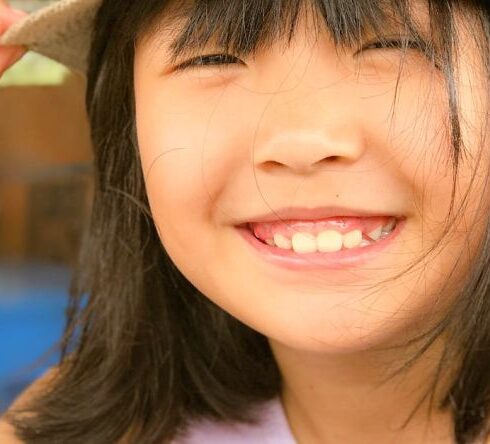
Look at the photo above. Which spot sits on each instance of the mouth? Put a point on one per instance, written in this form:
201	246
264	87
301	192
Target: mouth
335	242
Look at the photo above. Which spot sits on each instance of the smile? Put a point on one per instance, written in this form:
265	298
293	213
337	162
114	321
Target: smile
332	243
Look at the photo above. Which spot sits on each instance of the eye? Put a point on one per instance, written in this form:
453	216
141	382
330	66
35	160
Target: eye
421	46
209	60
393	44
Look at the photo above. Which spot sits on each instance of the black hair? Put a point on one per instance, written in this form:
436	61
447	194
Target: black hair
146	352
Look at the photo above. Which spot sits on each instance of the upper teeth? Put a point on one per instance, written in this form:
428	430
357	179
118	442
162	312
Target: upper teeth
282	242
390	225
304	243
328	241
376	234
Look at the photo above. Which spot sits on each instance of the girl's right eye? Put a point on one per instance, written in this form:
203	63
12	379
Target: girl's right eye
220	60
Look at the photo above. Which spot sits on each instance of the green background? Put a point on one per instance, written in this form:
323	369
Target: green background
33	69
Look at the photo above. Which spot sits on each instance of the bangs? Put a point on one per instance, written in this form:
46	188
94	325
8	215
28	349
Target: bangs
243	27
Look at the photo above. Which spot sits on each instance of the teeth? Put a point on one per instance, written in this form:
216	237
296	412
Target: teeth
282	242
375	234
329	241
304	243
352	239
390	225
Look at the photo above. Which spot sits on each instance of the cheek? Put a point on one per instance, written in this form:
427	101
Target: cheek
423	151
410	121
170	151
189	149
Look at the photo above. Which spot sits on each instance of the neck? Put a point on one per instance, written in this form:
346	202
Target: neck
347	398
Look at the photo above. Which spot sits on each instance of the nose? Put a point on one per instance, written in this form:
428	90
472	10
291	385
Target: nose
310	129
305	150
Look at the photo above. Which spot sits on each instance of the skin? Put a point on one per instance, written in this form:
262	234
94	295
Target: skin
219	147
296	126
9	54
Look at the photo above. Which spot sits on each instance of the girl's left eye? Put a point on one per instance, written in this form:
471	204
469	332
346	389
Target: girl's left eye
209	60
393	44
422	47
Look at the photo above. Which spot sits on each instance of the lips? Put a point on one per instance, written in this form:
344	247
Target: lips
343	259
318	213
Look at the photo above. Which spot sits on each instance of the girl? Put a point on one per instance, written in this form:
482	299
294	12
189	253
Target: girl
290	231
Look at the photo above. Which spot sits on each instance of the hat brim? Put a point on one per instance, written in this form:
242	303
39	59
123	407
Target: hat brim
61	31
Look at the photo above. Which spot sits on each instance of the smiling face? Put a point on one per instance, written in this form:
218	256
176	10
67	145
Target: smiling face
303	125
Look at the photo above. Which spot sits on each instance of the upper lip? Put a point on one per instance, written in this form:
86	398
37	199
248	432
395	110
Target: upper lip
304	213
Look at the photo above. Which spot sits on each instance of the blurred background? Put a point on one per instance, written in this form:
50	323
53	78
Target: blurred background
45	189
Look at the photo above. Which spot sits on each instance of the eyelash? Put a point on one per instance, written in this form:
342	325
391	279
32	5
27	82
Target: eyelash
228	59
394	44
203	60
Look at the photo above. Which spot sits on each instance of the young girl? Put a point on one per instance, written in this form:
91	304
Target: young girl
290	233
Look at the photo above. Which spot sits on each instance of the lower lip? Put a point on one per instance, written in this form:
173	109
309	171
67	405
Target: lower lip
345	258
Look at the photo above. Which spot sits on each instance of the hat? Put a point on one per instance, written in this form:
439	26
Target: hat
61	31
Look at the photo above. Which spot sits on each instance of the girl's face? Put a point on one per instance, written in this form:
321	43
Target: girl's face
305	126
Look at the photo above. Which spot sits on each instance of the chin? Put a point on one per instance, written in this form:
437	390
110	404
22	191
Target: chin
336	338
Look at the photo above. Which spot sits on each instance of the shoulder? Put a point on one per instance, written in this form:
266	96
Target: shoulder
271	427
7	435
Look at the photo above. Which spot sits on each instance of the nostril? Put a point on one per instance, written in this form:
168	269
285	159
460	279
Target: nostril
271	165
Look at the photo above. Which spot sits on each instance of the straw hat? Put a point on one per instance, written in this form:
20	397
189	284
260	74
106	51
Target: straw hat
60	31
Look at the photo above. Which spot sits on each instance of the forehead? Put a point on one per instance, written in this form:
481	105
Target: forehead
351	12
